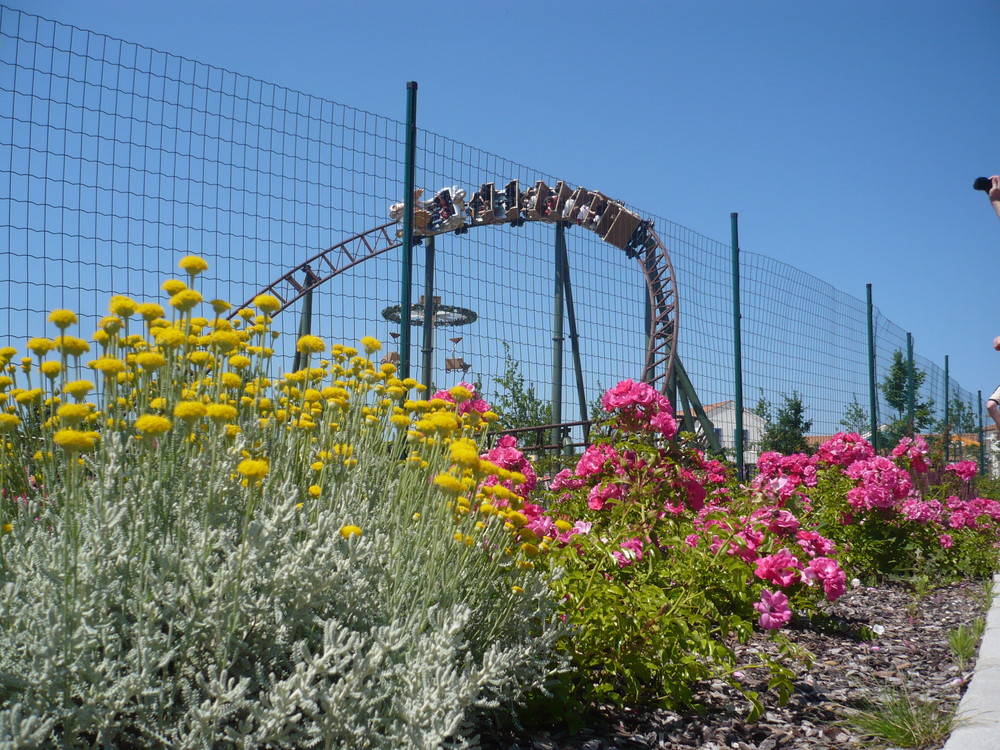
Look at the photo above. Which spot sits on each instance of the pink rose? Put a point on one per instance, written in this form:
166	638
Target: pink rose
773	608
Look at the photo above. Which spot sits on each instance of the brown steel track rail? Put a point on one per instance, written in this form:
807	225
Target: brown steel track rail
661	286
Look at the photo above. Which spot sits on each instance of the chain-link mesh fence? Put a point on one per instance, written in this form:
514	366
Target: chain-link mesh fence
117	159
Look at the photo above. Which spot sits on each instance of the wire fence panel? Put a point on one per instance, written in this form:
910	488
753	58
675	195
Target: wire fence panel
116	160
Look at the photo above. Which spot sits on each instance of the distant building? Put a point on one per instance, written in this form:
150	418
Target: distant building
723	416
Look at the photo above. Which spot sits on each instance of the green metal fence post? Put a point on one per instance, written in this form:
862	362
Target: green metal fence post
947	414
910	395
872	401
428	315
406	257
557	332
305	326
982	446
647	319
574	340
737	347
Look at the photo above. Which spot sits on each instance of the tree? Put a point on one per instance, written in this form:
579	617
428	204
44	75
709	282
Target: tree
961	417
895	389
786	432
764	409
518	405
856	418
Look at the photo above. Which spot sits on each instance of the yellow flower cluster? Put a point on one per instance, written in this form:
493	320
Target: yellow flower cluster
164	378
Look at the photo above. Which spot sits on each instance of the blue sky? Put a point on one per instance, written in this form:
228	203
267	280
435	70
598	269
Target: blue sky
846	134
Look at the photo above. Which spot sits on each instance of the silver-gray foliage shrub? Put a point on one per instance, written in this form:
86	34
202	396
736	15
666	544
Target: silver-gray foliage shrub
149	599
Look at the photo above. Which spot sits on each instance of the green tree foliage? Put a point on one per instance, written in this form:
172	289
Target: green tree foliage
895	389
518	405
786	431
856	418
961	417
764	409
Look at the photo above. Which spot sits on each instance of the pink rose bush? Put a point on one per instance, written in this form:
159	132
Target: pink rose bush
667	531
964	470
463	405
888	512
639	408
661	555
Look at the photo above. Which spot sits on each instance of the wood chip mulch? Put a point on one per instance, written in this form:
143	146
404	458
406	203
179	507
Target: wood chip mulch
847	672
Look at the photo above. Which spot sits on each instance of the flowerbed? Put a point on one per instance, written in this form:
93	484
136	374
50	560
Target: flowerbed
211	554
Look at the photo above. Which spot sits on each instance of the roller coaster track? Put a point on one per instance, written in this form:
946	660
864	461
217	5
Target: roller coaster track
644	245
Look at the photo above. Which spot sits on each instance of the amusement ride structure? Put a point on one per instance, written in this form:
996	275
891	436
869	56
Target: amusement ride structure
561	206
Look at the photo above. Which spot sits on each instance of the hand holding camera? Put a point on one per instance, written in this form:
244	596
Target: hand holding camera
990	186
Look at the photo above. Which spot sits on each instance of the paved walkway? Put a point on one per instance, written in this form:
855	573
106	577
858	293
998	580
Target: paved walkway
979	711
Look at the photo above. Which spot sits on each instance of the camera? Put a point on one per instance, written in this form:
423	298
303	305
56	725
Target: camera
982	183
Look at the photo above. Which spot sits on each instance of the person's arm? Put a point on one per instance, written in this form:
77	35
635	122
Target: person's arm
995	193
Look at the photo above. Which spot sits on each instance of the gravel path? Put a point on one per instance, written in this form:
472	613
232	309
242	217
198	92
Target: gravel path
847	671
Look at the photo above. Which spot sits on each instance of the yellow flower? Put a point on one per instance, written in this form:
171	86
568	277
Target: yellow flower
170	338
371	344
314	490
449	483
29	397
440	422
78	388
400	421
193	265
150	311
310	345
51	369
74	413
172	286
62	319
349	530
8	528
8	422
185	299
465	453
252	469
72	345
460	393
267	302
517	590
231	380
190	410
201	358
220	412
150	360
41	346
122	306
152	424
239	361
224	341
73	441
517	518
108	366
220	306
110	324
